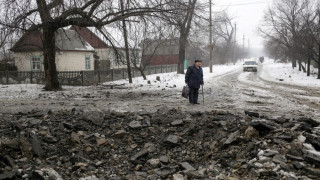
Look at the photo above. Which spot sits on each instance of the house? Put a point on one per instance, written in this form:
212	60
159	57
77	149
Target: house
160	51
77	49
166	52
107	57
73	53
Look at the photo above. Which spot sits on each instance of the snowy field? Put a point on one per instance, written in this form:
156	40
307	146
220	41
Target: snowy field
275	72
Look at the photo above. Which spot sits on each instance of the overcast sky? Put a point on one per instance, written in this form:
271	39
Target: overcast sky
249	15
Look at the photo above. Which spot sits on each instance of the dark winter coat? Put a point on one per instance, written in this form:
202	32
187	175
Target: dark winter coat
194	77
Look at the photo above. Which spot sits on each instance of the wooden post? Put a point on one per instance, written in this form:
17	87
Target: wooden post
82	78
99	76
111	74
123	73
235	44
31	74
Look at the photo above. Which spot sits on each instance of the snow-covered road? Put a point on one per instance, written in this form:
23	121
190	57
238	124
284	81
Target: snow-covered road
228	88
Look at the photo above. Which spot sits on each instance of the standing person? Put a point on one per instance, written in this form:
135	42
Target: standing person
194	78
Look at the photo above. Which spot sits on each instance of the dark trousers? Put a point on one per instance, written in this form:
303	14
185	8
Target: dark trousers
193	95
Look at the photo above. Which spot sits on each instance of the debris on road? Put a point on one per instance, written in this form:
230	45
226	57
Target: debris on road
166	144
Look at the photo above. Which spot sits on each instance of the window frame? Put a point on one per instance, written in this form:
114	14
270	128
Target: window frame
89	63
31	62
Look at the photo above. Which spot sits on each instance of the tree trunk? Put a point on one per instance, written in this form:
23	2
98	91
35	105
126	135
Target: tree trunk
319	65
319	68
49	53
301	67
304	68
143	74
184	33
294	63
308	66
299	62
182	50
319	54
125	35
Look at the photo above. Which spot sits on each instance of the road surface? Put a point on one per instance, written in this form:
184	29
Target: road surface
235	92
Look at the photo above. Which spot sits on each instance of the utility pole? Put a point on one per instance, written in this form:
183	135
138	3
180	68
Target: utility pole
235	44
243	54
249	47
125	36
210	38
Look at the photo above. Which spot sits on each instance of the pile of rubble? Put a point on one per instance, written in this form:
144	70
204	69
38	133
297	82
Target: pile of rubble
168	144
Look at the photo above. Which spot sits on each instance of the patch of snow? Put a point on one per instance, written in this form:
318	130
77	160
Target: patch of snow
288	174
90	178
302	138
167	81
261	152
87	47
50	173
275	72
173	80
314	152
309	146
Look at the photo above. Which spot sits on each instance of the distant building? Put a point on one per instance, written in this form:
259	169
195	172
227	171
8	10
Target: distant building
166	52
160	51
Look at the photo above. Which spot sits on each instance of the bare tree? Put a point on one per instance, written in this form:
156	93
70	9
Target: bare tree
275	50
182	20
311	36
283	24
4	35
7	38
30	15
145	38
223	36
292	31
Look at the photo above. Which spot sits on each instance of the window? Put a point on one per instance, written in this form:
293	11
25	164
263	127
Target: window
250	63
88	62
35	63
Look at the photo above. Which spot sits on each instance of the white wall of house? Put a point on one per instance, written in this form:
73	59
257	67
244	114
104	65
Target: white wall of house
105	53
65	61
74	61
23	60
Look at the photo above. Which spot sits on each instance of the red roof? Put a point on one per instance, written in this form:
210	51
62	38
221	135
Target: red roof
90	37
66	40
29	42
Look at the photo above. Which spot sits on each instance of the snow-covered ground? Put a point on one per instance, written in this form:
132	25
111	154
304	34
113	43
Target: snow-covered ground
33	91
227	88
167	81
174	80
274	72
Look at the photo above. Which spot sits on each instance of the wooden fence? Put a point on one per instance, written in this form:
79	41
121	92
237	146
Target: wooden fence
79	78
